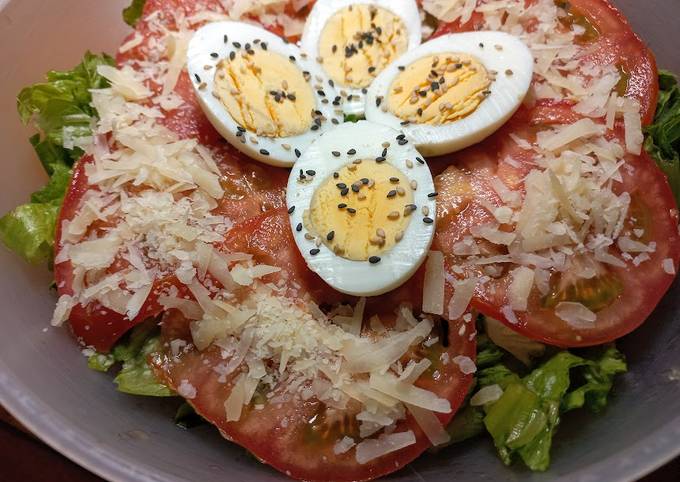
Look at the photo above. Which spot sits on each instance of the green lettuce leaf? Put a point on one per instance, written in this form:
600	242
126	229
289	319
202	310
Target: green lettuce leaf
29	230
524	420
133	13
58	108
135	376
186	417
662	140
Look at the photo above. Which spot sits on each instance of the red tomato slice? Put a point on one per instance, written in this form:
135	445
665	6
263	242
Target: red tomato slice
249	191
622	297
610	40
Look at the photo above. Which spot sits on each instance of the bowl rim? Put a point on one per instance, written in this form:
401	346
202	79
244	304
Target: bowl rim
45	422
51	427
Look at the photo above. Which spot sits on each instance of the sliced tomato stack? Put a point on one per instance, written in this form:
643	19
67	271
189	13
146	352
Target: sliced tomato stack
298	437
622	297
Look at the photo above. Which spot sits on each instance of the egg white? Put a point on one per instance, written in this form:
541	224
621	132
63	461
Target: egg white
323	10
210	39
397	265
507	91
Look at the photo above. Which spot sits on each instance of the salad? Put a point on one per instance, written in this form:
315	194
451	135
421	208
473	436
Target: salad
372	228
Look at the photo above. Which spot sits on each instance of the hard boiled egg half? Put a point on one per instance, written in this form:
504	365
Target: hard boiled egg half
362	208
261	93
453	91
354	41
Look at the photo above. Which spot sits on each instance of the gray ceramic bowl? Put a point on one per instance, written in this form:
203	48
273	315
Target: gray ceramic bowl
44	381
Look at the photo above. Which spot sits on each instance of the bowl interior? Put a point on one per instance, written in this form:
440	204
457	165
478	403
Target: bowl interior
45	383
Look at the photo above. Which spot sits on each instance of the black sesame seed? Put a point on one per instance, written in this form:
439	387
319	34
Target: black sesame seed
314	251
226	39
405	123
336	175
342	206
236	44
434	86
378	100
420	111
433	194
315	127
364	180
298	228
384	152
232	55
247	46
364	91
336	153
198	78
481	45
344	192
371	69
214	55
351	152
240	129
394	180
349	97
380	159
401	136
402	68
310	172
420	160
292	58
330	235
321	93
297	153
335	121
402	142
374	259
351	210
356	187
291	210
263	45
341	185
427	220
392	193
264	152
291	97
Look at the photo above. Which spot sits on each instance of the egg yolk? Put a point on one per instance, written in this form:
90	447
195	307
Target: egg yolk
362	210
439	89
265	93
359	41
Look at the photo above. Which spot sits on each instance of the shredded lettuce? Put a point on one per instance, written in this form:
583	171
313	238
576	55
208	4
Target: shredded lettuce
662	140
135	376
133	13
524	420
60	109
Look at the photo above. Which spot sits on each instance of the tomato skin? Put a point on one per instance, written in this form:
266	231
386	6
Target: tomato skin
282	445
616	43
619	43
643	286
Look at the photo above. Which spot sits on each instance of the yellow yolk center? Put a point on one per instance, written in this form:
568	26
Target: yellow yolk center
439	89
362	212
265	93
359	41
